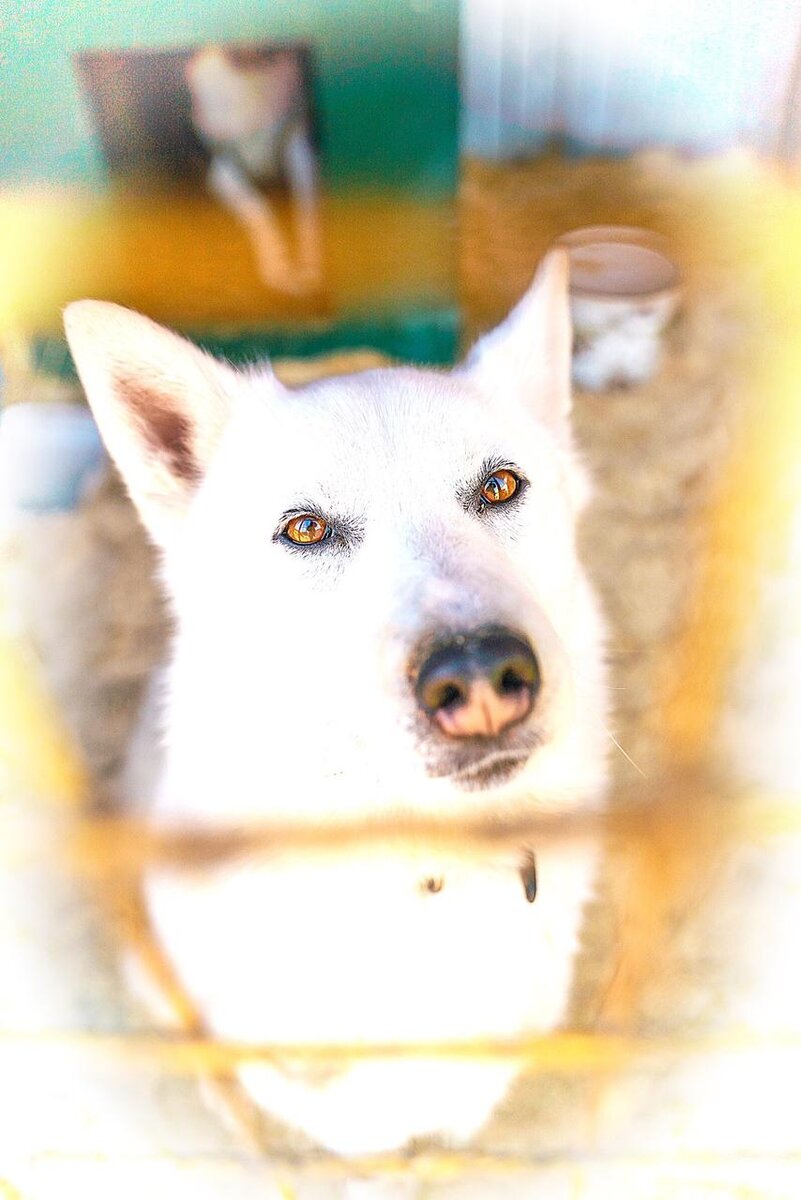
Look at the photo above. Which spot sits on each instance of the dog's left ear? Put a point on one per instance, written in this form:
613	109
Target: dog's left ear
160	403
528	355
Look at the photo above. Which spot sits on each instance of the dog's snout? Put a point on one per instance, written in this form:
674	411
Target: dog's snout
478	684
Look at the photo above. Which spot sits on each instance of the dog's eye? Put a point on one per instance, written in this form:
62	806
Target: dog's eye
306	529
499	487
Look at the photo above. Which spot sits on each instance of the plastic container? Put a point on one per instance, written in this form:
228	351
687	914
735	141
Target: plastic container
624	289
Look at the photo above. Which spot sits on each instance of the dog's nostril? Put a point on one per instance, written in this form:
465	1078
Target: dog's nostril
511	681
443	694
516	676
451	695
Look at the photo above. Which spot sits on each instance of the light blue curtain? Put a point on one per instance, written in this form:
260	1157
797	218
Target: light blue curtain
700	75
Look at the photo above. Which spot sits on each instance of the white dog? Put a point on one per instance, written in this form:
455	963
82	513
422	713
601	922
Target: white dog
252	117
380	615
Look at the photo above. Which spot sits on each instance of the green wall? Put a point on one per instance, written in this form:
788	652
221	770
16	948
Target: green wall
386	80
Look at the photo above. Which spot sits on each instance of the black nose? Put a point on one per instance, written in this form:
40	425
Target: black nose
478	684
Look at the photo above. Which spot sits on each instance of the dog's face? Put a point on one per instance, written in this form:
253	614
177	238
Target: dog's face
242	104
378	599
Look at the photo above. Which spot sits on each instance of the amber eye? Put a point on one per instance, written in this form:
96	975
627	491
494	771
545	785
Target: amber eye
306	529
499	487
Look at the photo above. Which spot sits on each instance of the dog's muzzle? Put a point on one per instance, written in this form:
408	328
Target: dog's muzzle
479	684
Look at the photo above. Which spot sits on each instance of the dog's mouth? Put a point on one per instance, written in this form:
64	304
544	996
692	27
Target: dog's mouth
492	765
490	771
477	764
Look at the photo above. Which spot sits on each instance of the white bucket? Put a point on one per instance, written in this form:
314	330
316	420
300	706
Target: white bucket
624	289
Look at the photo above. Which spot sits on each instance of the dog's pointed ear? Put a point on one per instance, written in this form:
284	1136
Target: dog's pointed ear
529	353
161	405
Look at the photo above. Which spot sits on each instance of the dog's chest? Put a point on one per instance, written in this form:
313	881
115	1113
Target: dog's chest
375	946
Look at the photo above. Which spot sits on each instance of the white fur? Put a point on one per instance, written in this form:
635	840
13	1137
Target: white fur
288	698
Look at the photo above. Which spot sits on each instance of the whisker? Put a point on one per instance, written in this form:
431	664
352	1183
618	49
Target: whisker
625	753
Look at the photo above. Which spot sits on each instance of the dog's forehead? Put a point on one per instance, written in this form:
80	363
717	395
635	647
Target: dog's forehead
386	417
342	440
396	406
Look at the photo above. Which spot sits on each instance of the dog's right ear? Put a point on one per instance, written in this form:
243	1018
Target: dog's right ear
160	403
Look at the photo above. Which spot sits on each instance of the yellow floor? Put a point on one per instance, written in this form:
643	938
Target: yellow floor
183	259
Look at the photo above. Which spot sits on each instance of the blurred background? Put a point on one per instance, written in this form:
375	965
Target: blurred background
337	183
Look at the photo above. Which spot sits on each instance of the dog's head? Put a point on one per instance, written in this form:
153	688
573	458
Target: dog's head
378	598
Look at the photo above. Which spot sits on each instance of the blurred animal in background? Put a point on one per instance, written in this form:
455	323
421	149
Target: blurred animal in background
251	112
380	619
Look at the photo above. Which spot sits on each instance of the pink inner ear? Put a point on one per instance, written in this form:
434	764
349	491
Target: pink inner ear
167	432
